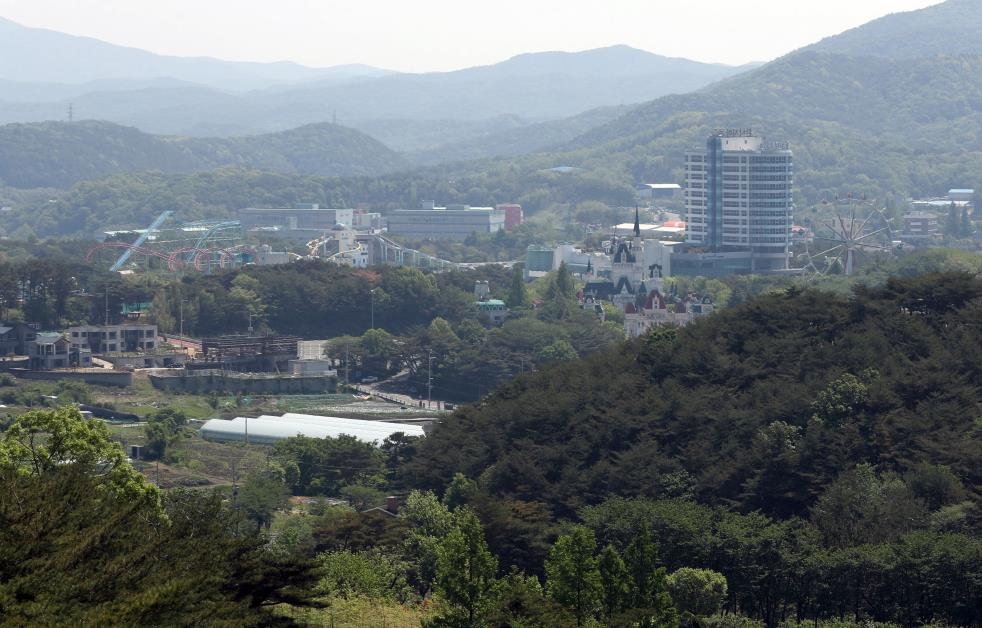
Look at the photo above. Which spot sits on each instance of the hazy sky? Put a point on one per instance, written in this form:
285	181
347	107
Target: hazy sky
431	35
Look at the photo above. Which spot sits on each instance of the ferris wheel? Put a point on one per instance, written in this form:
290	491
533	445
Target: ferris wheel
843	238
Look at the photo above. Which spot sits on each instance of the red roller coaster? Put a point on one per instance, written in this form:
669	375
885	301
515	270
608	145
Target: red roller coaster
203	259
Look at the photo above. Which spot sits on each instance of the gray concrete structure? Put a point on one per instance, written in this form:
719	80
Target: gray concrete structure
454	222
128	337
739	205
300	221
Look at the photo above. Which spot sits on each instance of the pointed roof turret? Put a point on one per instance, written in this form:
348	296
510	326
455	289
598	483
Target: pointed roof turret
637	222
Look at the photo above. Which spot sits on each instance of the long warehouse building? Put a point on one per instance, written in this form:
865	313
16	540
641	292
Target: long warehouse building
268	429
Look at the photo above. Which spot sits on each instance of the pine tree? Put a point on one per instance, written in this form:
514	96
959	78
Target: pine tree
650	602
951	226
614	580
564	281
572	573
517	295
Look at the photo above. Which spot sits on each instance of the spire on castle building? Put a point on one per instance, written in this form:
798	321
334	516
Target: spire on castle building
637	222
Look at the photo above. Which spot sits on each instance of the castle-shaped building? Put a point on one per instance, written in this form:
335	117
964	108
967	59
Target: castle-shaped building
636	286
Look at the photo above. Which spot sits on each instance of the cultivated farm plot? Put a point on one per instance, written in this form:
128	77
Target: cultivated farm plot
344	405
195	461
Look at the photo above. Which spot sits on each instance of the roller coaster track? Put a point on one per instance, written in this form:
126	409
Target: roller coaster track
213	229
140	240
386	251
200	258
129	249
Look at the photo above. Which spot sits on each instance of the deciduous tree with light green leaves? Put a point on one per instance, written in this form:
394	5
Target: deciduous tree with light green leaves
465	570
41	441
696	592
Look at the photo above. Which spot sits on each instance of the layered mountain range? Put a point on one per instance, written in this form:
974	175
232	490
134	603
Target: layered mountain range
887	110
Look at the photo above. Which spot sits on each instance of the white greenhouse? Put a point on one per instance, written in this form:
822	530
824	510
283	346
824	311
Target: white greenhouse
267	429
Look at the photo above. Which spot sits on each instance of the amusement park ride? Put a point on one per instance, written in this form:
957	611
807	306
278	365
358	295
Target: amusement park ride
203	245
844	239
218	244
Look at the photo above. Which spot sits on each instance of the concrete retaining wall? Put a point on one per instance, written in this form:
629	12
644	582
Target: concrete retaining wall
205	383
150	360
103	376
8	364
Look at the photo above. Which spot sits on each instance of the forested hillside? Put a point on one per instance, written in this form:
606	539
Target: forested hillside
759	407
821	452
855	124
58	154
521	139
903	119
948	28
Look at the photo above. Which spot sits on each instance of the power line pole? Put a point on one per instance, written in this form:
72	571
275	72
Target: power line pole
235	487
429	380
373	307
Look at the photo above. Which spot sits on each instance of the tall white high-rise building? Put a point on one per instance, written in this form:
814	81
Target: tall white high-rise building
739	205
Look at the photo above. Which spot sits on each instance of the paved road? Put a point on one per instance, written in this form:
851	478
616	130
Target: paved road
406	400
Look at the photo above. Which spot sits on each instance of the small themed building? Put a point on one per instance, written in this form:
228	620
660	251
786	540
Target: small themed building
636	287
49	350
657	309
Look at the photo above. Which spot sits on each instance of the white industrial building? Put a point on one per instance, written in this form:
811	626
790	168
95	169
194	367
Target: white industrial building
268	429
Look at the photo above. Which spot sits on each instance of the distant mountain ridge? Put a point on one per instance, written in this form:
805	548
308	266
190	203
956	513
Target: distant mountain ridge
59	154
906	121
41	55
208	97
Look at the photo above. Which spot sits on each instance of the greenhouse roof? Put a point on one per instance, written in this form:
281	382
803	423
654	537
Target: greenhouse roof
268	428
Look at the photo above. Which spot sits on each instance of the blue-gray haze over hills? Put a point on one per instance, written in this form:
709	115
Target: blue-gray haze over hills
886	110
42	71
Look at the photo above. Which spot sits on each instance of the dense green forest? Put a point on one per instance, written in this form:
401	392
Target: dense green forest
841	429
758	407
59	154
806	456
